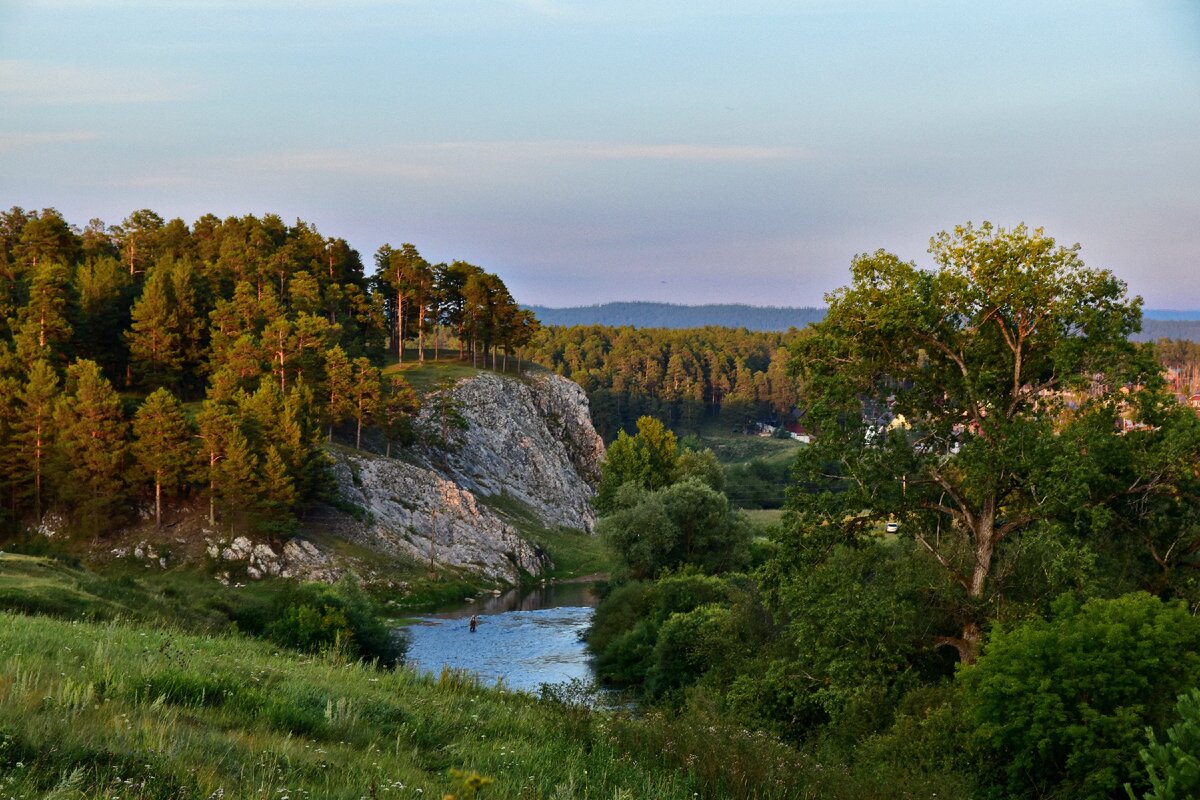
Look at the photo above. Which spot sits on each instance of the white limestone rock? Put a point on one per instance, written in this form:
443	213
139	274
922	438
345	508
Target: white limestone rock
531	439
415	512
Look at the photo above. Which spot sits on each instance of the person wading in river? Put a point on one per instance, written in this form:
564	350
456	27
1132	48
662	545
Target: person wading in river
474	622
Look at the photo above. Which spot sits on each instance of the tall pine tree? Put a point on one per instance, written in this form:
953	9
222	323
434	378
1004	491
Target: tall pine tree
162	447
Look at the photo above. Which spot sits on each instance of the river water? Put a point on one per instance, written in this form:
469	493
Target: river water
523	639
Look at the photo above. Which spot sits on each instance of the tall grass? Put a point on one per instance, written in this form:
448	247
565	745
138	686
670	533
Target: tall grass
103	710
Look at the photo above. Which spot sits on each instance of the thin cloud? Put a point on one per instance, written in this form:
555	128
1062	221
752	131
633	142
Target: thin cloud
611	151
41	83
345	162
23	140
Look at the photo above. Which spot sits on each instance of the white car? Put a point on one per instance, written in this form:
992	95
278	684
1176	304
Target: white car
892	527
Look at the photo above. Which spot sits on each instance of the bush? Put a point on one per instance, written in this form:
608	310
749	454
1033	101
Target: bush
1060	706
316	617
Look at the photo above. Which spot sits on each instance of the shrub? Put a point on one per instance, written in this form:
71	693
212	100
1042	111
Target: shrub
1061	705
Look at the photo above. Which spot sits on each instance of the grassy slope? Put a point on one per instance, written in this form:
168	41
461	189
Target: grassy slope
574	553
733	449
110	710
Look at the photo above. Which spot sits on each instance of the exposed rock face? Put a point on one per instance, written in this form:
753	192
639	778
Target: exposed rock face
532	440
417	513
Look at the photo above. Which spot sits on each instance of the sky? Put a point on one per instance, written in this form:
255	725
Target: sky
689	151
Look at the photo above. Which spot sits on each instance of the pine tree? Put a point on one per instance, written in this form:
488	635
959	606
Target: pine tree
42	330
90	449
155	344
399	408
33	430
162	445
339	380
365	394
276	489
215	421
10	390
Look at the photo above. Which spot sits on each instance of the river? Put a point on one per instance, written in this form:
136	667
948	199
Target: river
524	638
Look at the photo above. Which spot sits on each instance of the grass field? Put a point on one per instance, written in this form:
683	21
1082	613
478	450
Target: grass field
764	517
110	710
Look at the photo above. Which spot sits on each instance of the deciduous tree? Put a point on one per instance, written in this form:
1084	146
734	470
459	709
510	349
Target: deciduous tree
940	398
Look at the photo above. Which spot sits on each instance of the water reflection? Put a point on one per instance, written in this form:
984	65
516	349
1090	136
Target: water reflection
524	638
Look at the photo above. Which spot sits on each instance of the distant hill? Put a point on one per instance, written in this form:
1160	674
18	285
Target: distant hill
1153	328
1157	323
669	315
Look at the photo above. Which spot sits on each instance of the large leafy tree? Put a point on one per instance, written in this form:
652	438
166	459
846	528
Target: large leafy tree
963	401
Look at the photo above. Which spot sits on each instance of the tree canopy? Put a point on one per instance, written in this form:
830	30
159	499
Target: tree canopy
956	401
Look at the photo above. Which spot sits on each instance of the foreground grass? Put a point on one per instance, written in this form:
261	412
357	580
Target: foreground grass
111	710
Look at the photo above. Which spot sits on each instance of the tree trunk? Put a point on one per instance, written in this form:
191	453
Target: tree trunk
157	501
212	491
421	333
37	475
985	546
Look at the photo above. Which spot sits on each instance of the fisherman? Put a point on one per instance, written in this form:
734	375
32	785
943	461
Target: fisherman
474	622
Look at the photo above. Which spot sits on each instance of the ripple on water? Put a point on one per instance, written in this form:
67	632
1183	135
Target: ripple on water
524	649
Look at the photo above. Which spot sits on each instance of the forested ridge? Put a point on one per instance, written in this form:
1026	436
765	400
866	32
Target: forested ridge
1156	323
154	361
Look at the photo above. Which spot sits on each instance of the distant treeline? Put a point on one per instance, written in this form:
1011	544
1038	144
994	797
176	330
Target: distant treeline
680	377
684	377
1156	324
156	360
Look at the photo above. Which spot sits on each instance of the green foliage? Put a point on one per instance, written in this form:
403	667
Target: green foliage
1060	706
1173	766
860	631
666	636
686	523
317	617
702	465
649	460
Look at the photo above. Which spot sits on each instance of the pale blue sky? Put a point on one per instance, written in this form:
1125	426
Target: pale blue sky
691	151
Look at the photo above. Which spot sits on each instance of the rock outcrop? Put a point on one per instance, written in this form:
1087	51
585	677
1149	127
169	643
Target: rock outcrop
531	439
415	512
299	559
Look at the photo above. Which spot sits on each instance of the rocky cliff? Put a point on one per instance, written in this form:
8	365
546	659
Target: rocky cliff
530	440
